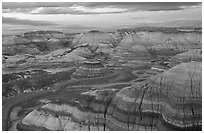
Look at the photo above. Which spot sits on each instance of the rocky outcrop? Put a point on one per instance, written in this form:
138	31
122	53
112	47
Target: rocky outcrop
191	55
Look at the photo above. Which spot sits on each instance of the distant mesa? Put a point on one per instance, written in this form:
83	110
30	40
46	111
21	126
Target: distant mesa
42	32
34	42
91	69
45	34
33	36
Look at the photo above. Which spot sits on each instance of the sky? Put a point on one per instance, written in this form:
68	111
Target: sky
70	17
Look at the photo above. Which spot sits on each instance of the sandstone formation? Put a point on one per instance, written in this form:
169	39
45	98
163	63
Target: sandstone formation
191	55
91	69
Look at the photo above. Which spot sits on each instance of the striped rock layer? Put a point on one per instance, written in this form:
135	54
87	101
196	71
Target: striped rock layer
91	69
89	113
163	43
168	101
191	55
159	40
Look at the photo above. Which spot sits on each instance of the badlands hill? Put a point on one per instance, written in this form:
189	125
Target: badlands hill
131	79
91	69
136	49
164	43
168	101
99	41
156	41
131	53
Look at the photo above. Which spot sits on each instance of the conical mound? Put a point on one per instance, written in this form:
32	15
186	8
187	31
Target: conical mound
168	101
129	43
131	53
91	69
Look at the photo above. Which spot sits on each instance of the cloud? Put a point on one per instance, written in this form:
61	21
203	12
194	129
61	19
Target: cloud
138	18
75	26
76	10
15	5
92	7
15	21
